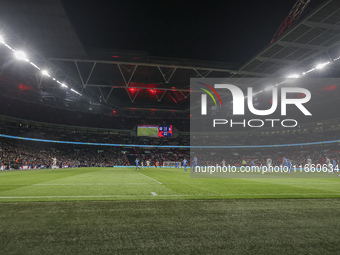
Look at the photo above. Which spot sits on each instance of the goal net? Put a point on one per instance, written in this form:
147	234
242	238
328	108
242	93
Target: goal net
171	163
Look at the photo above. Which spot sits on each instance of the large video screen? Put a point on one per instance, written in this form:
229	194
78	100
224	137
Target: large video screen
154	131
147	130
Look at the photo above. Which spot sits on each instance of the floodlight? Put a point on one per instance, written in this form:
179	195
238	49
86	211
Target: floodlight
321	65
44	72
2	40
37	67
294	76
76	92
21	55
64	85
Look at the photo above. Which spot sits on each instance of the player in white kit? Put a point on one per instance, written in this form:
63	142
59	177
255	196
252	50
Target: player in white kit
148	163
328	165
223	163
309	164
54	165
269	165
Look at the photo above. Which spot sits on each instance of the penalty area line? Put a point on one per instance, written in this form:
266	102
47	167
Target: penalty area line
151	178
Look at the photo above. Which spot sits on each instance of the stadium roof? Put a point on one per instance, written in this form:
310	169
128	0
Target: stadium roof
316	37
43	25
126	80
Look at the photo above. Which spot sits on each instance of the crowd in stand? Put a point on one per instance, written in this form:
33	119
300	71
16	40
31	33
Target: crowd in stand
75	136
23	154
181	139
258	156
17	153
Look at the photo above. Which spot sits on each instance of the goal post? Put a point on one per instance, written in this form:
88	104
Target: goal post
171	163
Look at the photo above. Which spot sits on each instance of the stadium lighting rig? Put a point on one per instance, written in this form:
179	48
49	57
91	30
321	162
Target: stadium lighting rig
21	55
292	76
319	66
35	65
45	73
74	91
322	65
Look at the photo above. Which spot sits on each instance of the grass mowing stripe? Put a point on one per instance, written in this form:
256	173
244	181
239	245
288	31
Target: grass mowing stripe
181	195
183	183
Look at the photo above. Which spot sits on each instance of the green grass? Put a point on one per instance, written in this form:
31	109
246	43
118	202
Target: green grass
154	183
155	211
279	226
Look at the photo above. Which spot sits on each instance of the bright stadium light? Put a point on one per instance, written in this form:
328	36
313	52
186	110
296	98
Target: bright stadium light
21	55
35	65
45	72
322	65
294	76
310	70
76	92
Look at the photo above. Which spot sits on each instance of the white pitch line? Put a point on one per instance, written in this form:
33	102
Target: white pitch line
151	178
77	184
154	193
91	184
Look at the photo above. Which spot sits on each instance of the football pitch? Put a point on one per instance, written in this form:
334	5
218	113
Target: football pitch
155	183
152	211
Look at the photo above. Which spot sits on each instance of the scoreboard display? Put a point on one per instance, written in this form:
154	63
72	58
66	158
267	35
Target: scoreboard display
165	131
154	131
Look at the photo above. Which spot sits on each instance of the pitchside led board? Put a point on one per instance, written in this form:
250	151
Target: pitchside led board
229	119
154	131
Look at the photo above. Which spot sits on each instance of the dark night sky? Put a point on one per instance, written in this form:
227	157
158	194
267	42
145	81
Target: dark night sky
228	31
